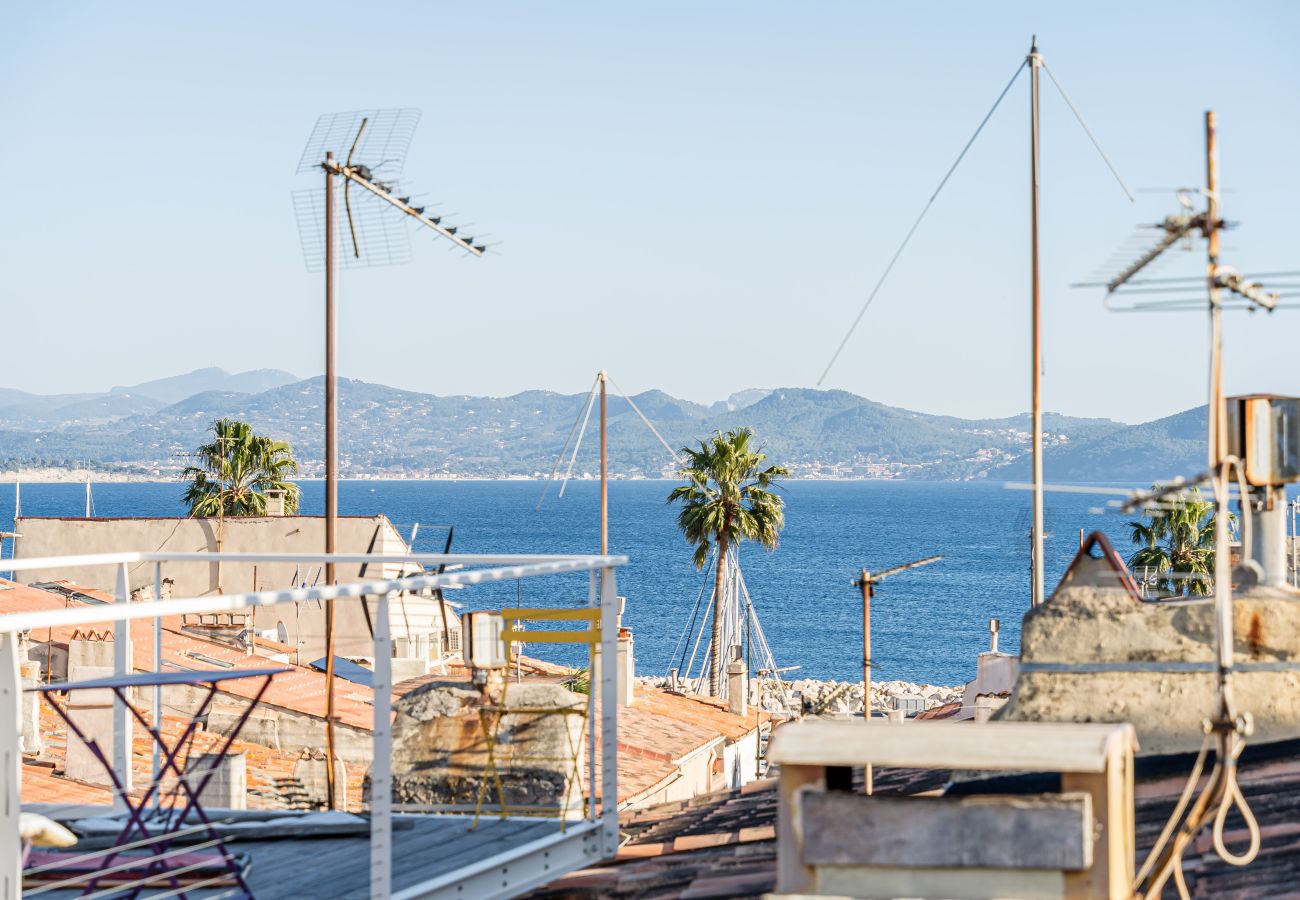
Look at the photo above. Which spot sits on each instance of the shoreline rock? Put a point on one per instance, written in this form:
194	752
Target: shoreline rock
847	699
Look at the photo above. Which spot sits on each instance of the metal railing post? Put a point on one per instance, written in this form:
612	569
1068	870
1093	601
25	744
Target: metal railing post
609	711
593	601
11	737
157	667
381	769
121	667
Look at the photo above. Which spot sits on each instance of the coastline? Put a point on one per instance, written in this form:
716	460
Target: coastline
78	476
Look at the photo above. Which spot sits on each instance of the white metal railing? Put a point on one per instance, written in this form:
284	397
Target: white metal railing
602	593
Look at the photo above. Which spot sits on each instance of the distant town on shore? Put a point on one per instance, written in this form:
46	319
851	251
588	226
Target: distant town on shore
144	432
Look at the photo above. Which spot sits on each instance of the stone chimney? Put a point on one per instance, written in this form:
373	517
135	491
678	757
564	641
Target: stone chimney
737	684
440	754
275	503
227	788
310	772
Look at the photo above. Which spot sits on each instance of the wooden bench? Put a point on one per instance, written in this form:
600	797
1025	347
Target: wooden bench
1075	843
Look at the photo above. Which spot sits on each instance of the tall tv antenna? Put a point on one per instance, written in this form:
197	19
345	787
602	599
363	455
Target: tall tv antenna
372	144
1034	62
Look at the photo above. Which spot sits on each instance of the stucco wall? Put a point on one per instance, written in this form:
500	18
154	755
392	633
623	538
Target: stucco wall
742	760
304	622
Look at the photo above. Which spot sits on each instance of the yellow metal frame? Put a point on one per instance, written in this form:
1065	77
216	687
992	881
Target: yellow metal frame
490	716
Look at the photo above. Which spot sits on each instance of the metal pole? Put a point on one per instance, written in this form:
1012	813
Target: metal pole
157	668
1036	597
608	712
331	470
865	583
121	737
1215	415
11	758
1216	444
381	773
1295	571
593	602
604	471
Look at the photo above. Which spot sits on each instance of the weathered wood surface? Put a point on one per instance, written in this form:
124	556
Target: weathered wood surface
1051	831
992	746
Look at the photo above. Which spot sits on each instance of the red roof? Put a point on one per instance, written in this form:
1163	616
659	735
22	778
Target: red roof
268	770
300	689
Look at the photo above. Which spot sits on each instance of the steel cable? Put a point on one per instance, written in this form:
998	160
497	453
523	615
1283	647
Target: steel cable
915	225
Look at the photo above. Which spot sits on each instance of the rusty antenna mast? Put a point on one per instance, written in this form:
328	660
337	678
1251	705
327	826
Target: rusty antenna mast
373	145
1223	286
866	582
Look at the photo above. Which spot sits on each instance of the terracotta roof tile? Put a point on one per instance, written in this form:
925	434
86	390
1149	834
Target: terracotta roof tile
705	712
269	772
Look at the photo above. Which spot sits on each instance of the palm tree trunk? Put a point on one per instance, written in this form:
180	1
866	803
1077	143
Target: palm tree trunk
719	585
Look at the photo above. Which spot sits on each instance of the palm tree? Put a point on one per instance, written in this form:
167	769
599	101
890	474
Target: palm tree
1177	541
236	470
726	500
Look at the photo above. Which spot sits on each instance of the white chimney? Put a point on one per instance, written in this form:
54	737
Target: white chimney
483	647
737	684
626	668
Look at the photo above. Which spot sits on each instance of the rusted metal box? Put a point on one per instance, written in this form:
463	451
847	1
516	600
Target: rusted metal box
1264	433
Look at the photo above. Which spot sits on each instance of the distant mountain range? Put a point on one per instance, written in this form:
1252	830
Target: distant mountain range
147	430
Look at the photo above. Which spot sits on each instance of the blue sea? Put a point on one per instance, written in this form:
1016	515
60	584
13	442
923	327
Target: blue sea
927	625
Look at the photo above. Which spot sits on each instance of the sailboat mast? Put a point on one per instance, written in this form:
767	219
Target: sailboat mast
604	471
1035	62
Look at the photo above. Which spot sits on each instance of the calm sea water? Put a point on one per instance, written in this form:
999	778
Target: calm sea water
927	625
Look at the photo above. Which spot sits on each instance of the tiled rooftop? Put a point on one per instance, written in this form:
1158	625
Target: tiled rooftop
707	712
269	771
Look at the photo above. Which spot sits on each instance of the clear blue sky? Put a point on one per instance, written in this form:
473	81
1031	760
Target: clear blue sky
695	196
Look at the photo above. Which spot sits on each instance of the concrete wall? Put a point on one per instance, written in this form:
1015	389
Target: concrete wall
303	622
1090	625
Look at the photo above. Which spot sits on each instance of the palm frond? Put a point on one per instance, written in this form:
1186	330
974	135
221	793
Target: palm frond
237	469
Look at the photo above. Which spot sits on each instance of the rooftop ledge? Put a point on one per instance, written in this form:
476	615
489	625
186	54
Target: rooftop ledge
992	746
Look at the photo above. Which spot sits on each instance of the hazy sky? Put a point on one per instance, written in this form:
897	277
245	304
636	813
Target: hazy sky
697	197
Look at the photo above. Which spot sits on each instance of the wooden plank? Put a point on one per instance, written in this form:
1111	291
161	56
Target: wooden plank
1049	831
542	614
888	883
1112	797
992	746
551	637
792	875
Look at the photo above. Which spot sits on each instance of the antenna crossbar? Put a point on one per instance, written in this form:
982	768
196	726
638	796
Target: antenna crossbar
354	175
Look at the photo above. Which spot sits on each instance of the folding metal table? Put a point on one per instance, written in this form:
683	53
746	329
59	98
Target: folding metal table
159	830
